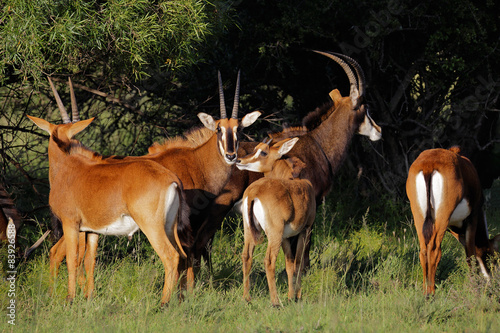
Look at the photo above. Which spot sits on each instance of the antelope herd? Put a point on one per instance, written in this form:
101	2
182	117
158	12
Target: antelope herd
179	193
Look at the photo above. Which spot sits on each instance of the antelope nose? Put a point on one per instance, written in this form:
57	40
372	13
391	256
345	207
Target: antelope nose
231	157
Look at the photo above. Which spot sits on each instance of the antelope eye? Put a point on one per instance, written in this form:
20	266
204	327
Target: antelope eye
218	129
263	154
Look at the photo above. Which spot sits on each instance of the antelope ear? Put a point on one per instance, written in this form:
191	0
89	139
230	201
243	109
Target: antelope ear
250	118
286	145
43	124
78	127
207	120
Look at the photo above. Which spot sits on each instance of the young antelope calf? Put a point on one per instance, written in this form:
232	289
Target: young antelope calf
282	206
88	194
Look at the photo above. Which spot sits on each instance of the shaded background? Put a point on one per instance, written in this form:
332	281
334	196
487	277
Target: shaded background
146	68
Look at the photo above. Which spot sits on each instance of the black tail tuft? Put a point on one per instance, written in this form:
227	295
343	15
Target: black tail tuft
184	225
56	225
428	226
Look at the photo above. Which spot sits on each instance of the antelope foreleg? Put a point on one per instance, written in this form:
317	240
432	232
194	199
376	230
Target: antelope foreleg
71	239
90	259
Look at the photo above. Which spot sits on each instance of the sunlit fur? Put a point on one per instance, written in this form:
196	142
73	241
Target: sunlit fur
200	163
280	204
89	194
445	194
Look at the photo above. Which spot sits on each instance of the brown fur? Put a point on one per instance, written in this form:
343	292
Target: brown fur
89	194
288	203
460	181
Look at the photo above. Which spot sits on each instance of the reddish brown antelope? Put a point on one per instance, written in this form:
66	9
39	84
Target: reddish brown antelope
281	205
90	195
203	162
445	194
324	141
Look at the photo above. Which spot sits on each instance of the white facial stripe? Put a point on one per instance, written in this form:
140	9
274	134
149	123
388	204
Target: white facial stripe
254	166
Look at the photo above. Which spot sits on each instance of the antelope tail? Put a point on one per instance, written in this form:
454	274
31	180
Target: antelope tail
428	226
256	234
183	233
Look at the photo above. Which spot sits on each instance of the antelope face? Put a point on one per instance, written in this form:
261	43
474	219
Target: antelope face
227	131
368	127
228	128
264	156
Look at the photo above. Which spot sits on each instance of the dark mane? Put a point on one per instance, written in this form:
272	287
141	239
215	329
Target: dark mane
77	148
288	132
191	139
316	117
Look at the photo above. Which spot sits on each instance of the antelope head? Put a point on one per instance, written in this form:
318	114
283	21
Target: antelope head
366	125
62	134
263	157
227	129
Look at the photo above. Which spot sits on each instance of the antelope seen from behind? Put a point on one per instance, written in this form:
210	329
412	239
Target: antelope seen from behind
282	206
445	194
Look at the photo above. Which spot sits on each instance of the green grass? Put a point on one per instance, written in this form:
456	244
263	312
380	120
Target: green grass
363	278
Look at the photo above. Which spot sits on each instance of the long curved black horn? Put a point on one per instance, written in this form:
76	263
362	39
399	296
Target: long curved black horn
234	114
60	104
74	106
221	98
342	63
359	72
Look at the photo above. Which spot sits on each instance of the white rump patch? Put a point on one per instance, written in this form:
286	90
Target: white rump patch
172	203
421	193
437	185
259	213
124	226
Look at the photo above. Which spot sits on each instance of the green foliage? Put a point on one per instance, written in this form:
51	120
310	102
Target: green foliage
118	38
365	280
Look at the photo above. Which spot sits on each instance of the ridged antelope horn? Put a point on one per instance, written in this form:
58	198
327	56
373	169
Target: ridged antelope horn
60	104
359	72
347	70
74	106
234	114
221	97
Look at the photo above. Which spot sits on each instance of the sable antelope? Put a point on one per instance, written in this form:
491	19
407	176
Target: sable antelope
87	194
445	194
323	144
282	206
203	162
